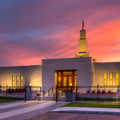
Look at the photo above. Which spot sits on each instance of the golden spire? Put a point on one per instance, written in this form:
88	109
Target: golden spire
83	24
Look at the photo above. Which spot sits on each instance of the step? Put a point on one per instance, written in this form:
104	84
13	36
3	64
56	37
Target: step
45	98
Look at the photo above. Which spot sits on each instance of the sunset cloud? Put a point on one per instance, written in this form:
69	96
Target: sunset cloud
44	29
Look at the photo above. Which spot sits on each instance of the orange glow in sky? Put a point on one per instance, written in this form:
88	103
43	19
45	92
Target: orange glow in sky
51	29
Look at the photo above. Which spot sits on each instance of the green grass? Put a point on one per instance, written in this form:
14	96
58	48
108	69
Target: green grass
99	105
4	100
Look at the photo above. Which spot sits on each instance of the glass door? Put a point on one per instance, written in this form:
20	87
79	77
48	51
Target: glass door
64	81
69	81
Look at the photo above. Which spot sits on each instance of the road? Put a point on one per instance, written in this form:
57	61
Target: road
74	116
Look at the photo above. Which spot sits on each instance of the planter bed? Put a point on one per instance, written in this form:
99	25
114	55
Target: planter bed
93	96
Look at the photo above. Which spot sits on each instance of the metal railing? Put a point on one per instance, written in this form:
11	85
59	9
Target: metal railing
88	93
50	91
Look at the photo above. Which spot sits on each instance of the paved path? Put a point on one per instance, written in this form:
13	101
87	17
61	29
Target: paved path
24	110
74	116
88	110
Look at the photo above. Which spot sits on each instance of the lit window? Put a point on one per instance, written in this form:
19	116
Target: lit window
117	78
75	72
21	80
70	72
17	80
64	73
111	79
75	82
59	80
64	81
59	73
105	79
13	80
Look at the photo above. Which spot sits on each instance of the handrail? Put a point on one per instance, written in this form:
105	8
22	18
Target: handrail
50	90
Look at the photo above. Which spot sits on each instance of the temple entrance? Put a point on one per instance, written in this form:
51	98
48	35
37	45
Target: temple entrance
67	78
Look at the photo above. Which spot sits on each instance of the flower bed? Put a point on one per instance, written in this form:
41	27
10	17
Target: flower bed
98	93
93	96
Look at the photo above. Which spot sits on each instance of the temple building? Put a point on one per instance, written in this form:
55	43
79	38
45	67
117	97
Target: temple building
82	70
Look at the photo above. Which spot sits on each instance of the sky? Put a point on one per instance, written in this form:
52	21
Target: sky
32	30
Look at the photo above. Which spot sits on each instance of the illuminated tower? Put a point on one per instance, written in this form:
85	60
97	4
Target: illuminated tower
82	43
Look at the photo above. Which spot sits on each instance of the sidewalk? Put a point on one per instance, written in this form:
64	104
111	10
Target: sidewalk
88	110
24	110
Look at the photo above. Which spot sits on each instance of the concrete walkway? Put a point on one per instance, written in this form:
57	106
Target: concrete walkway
24	110
88	110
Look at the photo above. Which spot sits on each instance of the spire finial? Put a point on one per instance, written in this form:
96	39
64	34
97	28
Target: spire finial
83	24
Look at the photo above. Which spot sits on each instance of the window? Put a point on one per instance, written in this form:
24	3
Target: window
64	81
59	80
117	78
17	80
75	82
105	79
13	80
59	73
111	79
21	80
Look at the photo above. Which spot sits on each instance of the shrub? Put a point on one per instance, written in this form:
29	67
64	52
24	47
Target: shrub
103	91
16	90
109	92
12	91
88	91
98	91
95	99
93	91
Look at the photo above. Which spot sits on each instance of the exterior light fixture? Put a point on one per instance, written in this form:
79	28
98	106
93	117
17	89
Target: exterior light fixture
40	85
30	84
71	84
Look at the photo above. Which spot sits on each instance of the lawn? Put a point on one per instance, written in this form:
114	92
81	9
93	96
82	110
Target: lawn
99	105
4	100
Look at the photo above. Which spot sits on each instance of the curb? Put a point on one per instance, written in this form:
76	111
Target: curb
92	112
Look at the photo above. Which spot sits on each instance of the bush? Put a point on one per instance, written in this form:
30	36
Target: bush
93	91
95	99
16	90
103	91
98	91
88	91
12	91
109	92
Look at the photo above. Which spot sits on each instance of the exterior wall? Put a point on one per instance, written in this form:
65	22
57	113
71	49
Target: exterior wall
2	76
49	67
31	75
108	67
